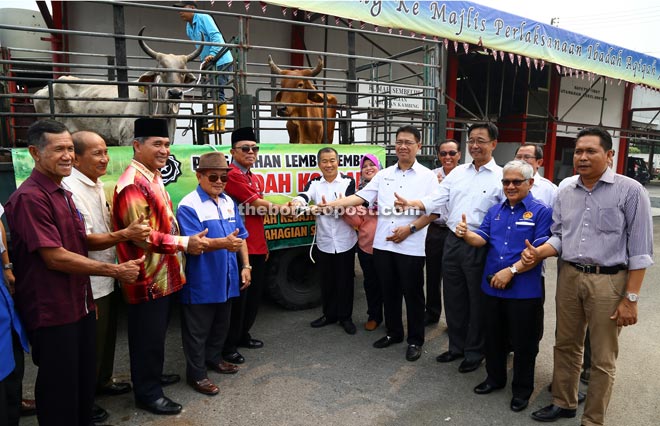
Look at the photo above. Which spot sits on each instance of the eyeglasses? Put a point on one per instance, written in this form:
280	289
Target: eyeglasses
478	141
248	148
515	182
214	178
446	153
525	157
405	142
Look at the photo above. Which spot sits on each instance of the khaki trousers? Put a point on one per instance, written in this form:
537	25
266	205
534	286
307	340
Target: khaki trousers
581	300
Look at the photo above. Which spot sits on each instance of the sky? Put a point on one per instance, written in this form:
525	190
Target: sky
633	24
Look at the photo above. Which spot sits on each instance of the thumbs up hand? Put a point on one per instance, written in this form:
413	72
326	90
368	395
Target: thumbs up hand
462	228
530	254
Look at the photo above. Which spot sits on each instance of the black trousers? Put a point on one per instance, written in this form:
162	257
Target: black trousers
435	244
462	268
147	329
512	323
66	378
337	283
372	288
402	276
203	332
245	307
106	337
11	387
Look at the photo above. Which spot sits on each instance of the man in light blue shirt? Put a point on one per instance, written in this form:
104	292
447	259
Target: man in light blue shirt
200	26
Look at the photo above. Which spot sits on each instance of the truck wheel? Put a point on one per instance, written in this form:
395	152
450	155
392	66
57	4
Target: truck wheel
293	280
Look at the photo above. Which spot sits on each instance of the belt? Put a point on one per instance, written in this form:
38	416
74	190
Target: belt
437	225
596	269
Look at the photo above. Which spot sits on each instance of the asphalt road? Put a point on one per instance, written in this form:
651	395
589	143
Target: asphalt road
306	376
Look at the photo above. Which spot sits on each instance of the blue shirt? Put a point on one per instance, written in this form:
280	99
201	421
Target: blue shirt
204	24
213	276
9	323
505	229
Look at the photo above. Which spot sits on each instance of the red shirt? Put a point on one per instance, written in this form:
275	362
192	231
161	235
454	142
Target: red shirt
42	214
244	188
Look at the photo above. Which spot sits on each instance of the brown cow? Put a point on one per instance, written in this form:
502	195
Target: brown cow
305	131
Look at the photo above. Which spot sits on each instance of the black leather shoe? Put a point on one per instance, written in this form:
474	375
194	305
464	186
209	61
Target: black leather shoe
384	342
519	404
448	356
99	414
162	405
581	397
348	326
322	322
485	388
169	379
234	358
552	413
469	365
251	344
114	388
413	353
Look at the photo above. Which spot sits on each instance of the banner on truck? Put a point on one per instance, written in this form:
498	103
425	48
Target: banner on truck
282	171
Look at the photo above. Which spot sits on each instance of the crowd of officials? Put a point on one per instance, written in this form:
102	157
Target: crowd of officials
480	231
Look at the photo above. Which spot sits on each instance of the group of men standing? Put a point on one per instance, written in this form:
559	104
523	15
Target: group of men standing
66	242
60	223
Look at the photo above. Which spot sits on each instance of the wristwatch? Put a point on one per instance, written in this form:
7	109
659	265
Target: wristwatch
247	267
413	228
513	269
633	297
8	266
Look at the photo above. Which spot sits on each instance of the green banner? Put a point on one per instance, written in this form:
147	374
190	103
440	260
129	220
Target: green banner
282	170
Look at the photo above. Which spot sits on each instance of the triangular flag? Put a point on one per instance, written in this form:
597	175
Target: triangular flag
542	64
495	54
519	60
284	10
263	6
247	5
455	46
323	18
295	12
466	47
229	4
527	60
511	57
536	63
412	34
446	43
502	55
558	69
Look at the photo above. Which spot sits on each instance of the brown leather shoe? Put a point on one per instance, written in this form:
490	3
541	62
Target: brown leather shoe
28	407
224	368
370	325
205	386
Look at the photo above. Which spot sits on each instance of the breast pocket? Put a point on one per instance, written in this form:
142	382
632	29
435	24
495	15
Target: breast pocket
610	219
526	229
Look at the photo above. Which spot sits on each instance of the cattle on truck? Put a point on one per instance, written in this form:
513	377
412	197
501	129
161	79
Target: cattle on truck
73	95
300	99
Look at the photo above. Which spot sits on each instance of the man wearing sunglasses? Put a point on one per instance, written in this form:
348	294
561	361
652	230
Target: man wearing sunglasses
245	188
512	292
213	277
448	155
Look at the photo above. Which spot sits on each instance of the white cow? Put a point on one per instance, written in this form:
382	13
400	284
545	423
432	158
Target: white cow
119	131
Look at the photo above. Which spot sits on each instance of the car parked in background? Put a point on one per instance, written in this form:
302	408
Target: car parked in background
638	170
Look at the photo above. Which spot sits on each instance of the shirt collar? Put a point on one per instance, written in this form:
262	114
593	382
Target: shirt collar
245	170
606	177
205	197
526	202
44	181
488	166
144	170
414	167
75	173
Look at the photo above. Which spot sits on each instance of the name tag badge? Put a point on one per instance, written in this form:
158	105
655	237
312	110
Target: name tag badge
525	223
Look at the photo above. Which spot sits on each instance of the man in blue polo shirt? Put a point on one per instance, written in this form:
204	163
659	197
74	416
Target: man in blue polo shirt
513	304
200	26
213	276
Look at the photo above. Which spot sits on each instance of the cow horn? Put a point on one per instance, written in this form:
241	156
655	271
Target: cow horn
148	50
318	69
274	67
196	52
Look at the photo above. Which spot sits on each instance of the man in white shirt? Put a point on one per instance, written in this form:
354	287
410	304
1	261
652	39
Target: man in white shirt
470	189
399	240
543	189
90	164
335	241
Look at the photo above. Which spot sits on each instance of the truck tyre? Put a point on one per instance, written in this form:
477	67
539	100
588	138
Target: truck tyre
293	280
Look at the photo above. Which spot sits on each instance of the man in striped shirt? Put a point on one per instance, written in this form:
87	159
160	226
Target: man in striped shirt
599	283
